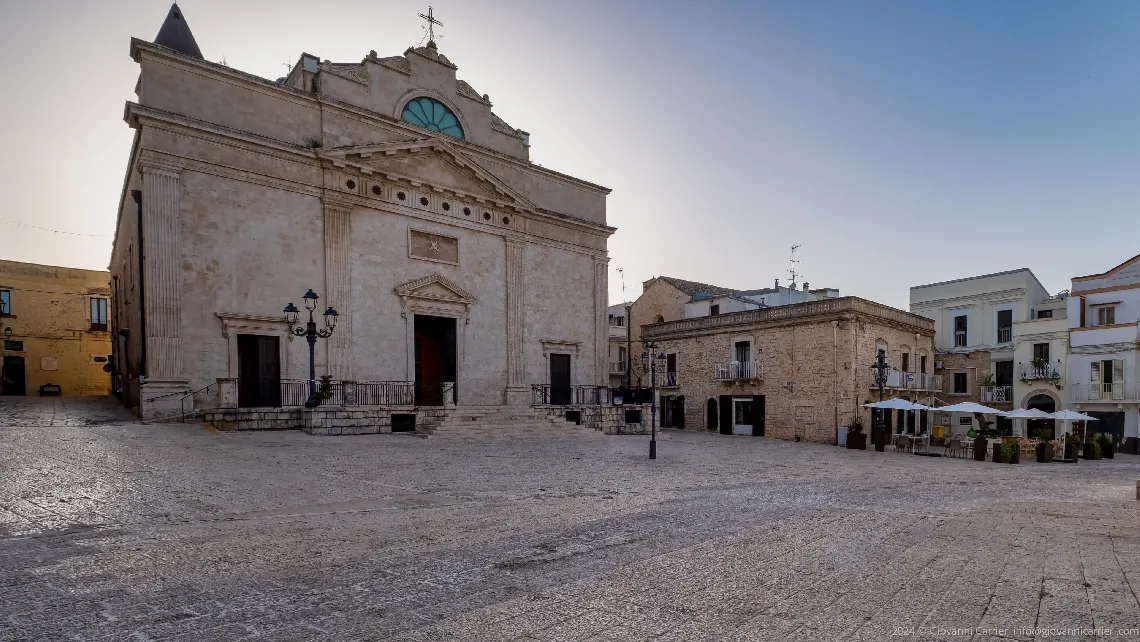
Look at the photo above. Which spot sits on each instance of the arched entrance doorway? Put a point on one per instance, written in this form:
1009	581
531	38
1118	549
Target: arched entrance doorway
711	422
1044	403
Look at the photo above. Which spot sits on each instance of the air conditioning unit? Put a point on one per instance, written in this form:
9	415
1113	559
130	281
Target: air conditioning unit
937	365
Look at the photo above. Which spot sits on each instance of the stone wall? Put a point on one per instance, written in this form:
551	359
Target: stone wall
976	365
319	421
607	419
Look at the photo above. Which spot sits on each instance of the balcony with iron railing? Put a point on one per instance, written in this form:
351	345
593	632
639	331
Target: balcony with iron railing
997	394
899	380
617	367
737	371
1005	335
1116	392
959	338
1042	371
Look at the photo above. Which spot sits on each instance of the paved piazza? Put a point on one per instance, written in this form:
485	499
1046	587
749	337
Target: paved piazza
114	530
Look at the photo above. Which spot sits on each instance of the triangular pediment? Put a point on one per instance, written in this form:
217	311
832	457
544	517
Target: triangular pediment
437	288
429	161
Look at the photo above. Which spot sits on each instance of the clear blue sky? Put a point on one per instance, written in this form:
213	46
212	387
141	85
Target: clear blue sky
898	143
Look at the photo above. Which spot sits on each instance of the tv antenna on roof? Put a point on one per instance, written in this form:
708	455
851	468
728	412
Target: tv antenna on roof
792	261
621	273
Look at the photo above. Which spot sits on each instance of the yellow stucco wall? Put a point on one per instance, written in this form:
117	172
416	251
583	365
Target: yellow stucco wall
50	313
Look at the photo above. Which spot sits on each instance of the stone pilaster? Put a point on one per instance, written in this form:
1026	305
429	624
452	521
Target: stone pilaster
162	262
517	389
601	325
338	285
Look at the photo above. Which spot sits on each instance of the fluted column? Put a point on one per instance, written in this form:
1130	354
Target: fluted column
162	263
338	286
516	319
601	326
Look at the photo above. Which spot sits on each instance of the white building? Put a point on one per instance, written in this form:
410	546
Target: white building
1103	315
974	337
619	342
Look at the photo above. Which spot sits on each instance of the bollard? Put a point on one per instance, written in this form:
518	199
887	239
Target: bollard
1138	490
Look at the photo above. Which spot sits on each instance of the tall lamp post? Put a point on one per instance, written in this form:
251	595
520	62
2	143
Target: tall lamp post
310	332
650	360
880	369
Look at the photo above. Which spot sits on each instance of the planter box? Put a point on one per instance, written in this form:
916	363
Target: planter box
1044	453
1087	451
979	449
996	453
1070	452
1109	451
880	439
857	442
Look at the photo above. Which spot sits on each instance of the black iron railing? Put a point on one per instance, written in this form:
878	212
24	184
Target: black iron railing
385	393
633	395
548	395
277	393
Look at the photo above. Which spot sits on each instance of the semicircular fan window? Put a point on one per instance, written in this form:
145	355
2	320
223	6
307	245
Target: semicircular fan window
434	115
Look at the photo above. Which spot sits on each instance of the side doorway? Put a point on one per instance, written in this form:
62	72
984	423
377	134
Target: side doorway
742	415
14	382
259	371
559	379
758	415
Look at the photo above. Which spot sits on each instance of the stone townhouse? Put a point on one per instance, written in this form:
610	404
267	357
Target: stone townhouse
796	371
386	185
53	321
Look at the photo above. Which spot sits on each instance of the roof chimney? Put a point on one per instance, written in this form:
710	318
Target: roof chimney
805	286
777	284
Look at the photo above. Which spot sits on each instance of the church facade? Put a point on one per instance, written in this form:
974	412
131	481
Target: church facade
390	188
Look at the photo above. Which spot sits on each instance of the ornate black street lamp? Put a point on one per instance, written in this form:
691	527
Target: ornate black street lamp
650	362
310	332
880	369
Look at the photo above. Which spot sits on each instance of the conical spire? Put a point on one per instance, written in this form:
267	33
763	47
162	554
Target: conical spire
175	34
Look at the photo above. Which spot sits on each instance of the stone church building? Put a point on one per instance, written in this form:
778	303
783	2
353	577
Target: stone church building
389	187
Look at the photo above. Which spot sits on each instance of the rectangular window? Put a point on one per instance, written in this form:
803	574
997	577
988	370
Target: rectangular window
965	421
99	315
1106	315
14	346
1044	314
1003	373
960	331
714	310
922	364
5	302
906	362
1041	352
621	355
1005	326
960	385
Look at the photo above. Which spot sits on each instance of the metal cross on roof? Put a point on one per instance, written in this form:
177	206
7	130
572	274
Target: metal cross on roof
431	23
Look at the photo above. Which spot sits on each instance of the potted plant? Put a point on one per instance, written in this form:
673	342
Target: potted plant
980	443
1107	448
1072	444
1010	452
1044	447
1089	448
856	438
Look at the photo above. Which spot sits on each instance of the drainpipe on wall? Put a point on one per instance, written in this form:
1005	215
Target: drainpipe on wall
137	195
628	348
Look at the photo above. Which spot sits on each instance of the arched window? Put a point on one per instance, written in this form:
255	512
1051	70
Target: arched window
660	319
432	114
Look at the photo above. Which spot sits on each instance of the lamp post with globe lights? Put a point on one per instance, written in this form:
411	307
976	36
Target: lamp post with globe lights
650	361
310	332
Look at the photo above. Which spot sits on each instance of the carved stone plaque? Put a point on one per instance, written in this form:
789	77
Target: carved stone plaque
433	247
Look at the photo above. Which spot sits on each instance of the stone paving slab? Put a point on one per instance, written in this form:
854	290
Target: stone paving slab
115	530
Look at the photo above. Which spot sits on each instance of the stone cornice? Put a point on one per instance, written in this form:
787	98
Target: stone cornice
810	312
151	162
1000	296
140	46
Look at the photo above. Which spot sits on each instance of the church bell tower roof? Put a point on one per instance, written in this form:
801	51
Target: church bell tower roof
175	34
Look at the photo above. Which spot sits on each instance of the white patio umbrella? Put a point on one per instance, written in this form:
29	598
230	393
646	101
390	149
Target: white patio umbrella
1071	415
896	404
1026	414
969	407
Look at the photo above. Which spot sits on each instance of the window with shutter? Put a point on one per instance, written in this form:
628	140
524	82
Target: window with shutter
1095	388
1118	379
